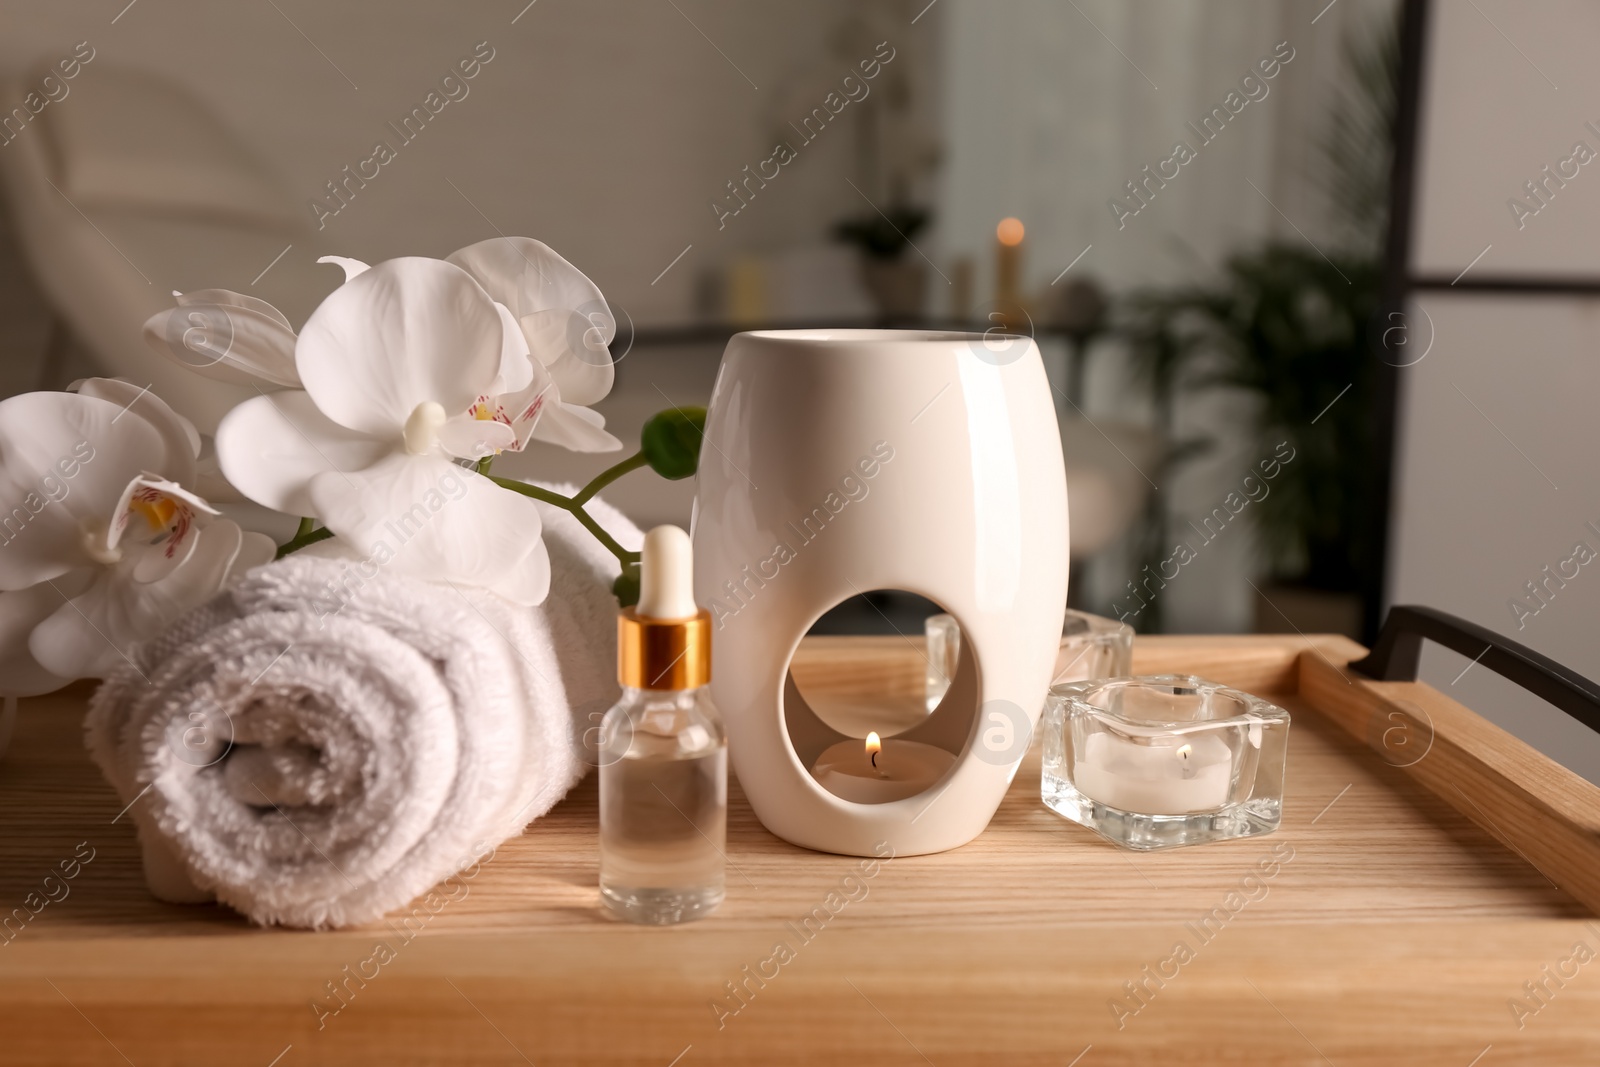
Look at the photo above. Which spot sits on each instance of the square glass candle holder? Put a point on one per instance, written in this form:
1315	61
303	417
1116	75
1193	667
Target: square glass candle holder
943	634
1164	760
1092	646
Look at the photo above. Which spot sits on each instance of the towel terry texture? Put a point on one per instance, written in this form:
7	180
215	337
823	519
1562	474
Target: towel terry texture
324	742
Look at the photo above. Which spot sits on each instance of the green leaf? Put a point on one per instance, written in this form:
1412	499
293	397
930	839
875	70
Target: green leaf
671	441
626	587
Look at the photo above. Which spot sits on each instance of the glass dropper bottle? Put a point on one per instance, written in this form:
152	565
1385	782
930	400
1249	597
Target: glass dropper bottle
663	752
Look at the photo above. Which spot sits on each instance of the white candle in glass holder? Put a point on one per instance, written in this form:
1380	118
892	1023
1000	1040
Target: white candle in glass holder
876	772
1172	775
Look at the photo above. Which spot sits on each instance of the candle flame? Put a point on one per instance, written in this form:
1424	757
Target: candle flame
1183	752
874	746
1009	231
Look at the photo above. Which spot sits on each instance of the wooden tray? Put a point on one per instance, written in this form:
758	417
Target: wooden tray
1397	918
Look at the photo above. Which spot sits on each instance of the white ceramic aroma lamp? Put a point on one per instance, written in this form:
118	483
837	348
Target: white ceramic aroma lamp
842	461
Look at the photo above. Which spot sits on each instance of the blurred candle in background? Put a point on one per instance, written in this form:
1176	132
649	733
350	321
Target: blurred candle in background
1008	264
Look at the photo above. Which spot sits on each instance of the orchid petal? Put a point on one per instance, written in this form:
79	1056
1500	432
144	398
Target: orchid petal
255	550
154	562
271	446
575	428
72	641
352	267
171	517
97	631
469	438
183	440
521	411
64	461
162	487
226	336
570	345
208	478
528	583
425	516
528	276
20	613
407	332
516	366
229	298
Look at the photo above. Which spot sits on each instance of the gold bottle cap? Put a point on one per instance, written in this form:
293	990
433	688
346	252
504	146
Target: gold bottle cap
663	653
665	642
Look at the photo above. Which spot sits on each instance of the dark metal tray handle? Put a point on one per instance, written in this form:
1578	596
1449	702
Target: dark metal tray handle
1398	649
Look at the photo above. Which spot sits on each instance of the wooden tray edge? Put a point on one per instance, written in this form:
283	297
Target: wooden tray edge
1540	810
1257	663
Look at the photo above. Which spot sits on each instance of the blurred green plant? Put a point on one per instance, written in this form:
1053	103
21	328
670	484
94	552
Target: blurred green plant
1162	349
1289	326
1356	149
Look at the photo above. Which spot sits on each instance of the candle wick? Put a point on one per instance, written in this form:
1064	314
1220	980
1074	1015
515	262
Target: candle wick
874	760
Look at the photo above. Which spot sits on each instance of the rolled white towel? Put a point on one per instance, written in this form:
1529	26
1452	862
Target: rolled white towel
322	744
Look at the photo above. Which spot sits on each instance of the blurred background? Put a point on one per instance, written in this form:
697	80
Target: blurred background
1310	356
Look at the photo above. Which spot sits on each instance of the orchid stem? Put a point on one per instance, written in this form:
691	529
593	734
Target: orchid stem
574	506
483	464
301	540
609	475
307	524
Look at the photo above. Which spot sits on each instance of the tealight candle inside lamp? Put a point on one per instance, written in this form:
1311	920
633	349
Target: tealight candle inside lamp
878	771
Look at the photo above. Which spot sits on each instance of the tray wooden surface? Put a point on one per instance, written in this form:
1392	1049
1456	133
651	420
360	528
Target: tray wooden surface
1407	911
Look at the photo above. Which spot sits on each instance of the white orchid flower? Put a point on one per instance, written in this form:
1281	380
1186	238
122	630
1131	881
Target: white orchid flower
516	366
392	362
226	336
554	314
98	552
568	327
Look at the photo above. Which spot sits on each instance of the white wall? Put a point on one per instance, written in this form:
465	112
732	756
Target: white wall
602	127
1493	122
1497	476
